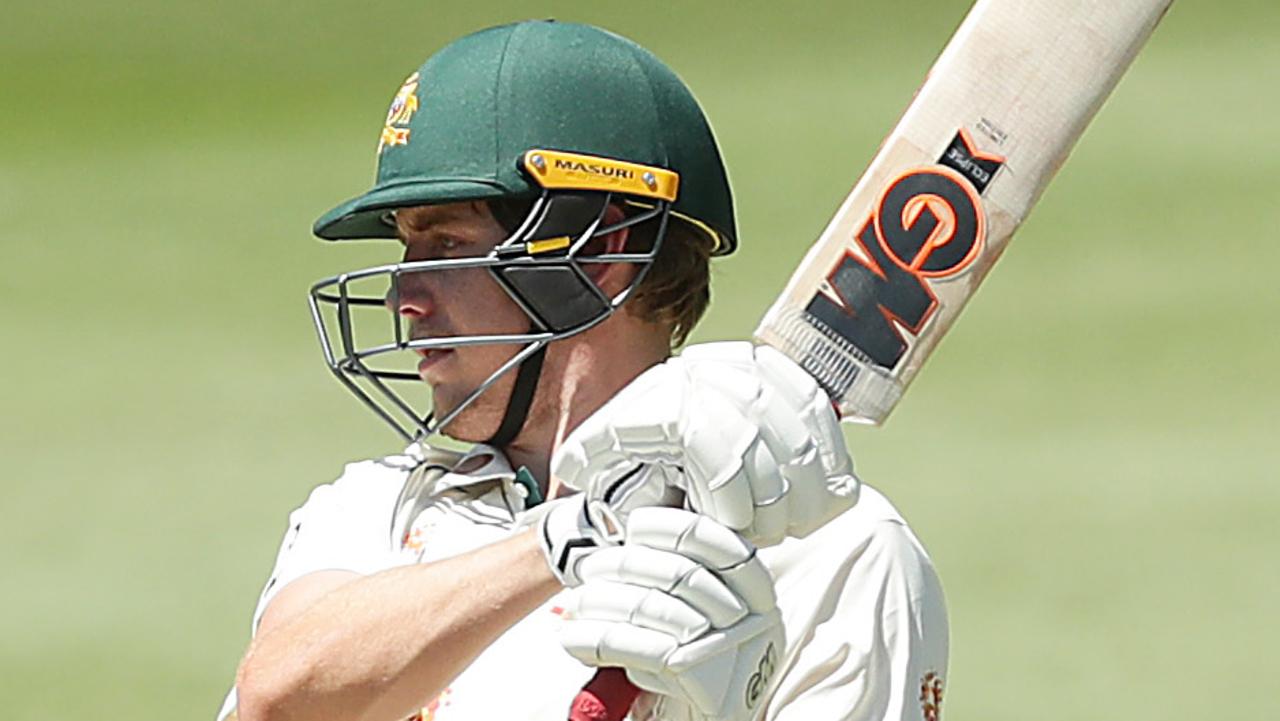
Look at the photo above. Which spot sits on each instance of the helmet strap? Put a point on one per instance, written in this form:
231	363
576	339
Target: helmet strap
520	401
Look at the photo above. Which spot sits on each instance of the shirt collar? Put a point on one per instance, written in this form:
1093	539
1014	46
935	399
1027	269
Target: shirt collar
480	464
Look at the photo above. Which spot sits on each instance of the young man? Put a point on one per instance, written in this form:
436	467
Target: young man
558	193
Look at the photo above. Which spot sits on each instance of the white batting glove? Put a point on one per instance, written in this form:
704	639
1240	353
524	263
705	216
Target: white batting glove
687	608
755	440
570	529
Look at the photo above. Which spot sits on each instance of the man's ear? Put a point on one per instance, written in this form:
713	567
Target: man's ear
609	277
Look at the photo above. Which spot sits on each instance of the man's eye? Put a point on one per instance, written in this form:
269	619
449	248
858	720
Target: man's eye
449	243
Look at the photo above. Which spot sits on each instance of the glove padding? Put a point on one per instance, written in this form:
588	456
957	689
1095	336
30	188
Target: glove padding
687	608
755	440
570	529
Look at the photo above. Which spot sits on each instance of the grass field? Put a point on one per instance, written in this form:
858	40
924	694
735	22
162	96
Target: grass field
1090	457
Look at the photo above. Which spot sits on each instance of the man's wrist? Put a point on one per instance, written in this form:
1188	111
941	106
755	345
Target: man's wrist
566	535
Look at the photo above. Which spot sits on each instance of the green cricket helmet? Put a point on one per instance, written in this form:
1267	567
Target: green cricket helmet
459	127
571	119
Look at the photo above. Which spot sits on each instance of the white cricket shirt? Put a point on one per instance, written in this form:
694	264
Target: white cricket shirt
863	610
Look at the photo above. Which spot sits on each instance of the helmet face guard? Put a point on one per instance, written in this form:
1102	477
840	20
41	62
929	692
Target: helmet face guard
539	266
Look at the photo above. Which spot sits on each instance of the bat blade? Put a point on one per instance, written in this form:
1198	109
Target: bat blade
994	120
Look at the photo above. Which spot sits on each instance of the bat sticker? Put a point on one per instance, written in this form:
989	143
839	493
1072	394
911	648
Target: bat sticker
927	224
976	166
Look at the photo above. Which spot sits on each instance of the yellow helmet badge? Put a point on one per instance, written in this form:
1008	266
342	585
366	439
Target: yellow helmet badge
399	114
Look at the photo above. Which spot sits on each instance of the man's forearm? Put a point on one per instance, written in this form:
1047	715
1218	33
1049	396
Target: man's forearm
379	647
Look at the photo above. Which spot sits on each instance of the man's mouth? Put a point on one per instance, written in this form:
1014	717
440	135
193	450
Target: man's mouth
430	357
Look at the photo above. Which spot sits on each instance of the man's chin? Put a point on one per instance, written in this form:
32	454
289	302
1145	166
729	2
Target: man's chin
472	425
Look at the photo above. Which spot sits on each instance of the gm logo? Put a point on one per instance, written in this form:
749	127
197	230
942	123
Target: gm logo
927	224
759	681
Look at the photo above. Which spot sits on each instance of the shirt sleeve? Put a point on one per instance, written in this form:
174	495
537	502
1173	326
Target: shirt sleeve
878	651
344	525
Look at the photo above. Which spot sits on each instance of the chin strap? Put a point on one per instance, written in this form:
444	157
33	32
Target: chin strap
521	398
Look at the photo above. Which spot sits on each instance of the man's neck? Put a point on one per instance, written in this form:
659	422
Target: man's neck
580	379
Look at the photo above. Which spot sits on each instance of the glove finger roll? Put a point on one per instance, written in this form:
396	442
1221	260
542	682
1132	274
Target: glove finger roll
697	537
820	418
601	643
752	583
815	501
770	524
639	424
810	403
638	565
716	440
689	534
714	643
763	477
668	572
584	458
644	607
781	421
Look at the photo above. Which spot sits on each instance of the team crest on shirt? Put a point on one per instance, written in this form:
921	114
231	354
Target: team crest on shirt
415	539
403	106
931	696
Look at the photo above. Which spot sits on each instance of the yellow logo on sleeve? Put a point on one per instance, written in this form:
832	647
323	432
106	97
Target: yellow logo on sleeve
403	106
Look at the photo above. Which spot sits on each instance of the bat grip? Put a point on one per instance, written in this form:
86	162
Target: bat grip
606	697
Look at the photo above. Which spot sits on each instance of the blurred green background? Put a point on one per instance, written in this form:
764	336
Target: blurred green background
1090	456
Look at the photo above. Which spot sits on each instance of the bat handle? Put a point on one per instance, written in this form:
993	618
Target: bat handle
606	697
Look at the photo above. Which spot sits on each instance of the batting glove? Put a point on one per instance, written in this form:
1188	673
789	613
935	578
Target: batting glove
570	529
754	439
687	608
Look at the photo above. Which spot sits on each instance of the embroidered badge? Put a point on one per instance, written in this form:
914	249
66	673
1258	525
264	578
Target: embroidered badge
931	696
399	114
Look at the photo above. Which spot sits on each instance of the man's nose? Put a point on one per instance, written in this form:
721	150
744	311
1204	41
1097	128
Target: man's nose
409	295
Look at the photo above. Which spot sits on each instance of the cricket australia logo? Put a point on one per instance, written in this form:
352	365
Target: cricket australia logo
928	224
403	106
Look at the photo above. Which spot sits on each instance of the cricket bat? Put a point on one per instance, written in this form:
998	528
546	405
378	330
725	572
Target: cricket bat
995	118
